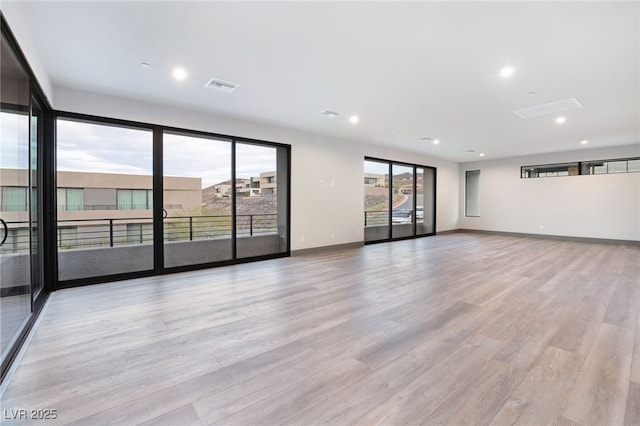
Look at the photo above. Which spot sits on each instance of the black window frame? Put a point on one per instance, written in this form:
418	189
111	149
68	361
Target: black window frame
157	198
415	167
581	168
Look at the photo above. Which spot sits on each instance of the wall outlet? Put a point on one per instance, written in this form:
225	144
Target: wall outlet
333	235
541	227
302	238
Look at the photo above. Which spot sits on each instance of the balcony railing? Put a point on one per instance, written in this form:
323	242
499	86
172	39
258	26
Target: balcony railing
376	218
94	233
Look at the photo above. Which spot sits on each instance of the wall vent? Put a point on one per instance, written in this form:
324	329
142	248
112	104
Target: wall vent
221	85
550	108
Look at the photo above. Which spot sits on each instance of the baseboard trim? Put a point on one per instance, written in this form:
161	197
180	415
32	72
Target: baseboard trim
548	237
324	249
449	231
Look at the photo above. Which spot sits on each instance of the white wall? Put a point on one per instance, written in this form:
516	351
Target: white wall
326	174
13	13
591	206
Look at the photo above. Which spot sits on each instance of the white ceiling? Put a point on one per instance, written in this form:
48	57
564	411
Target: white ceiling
426	69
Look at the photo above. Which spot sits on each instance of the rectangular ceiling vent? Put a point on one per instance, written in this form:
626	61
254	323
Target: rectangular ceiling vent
221	85
549	108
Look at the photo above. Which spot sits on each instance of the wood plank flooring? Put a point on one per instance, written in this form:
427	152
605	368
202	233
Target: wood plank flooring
452	329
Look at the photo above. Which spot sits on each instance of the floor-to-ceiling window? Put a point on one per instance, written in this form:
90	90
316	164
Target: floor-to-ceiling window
219	199
15	267
197	199
403	213
21	262
376	200
104	199
425	200
261	199
399	200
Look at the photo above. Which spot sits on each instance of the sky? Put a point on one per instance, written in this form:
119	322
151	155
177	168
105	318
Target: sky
383	168
88	147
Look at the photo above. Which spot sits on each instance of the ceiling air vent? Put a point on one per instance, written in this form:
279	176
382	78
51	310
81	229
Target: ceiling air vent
549	108
221	85
328	113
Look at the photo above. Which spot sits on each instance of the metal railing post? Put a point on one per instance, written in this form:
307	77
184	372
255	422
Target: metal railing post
190	228
251	225
110	232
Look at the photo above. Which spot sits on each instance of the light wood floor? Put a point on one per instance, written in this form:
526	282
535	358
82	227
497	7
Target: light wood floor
453	329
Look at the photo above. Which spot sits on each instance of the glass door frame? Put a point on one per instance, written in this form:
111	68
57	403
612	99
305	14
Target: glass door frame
44	167
158	201
433	191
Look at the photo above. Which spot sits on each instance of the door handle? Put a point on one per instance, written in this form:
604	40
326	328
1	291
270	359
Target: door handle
6	232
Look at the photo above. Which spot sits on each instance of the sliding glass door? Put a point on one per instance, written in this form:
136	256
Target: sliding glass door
15	225
104	199
399	200
217	199
425	200
222	199
261	199
376	200
21	263
403	214
197	200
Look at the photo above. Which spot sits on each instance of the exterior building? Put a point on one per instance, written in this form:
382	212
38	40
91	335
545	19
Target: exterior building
95	208
255	186
374	179
268	183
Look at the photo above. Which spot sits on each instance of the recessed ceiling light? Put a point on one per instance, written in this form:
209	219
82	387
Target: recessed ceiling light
145	65
354	119
584	141
482	154
392	130
506	72
436	141
179	74
560	120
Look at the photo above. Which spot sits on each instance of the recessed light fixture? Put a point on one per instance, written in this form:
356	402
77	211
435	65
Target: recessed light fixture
145	65
506	72
392	130
584	141
482	154
560	120
179	74
436	141
354	119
